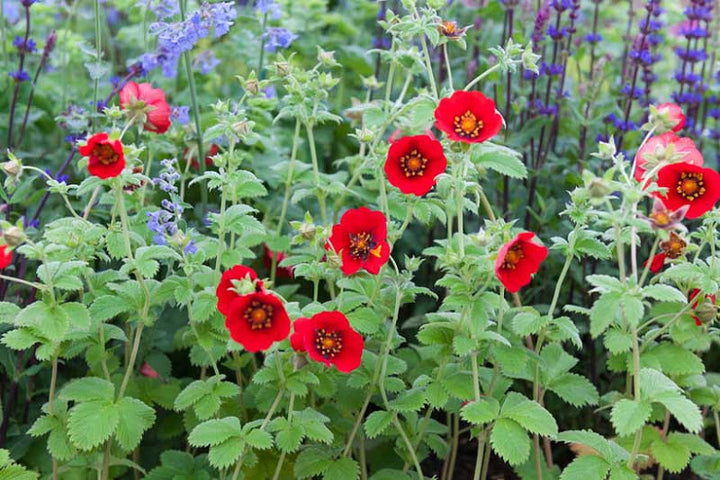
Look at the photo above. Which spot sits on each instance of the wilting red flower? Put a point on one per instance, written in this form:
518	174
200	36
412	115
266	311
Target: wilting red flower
285	272
361	240
193	159
706	313
664	219
148	104
675	113
413	163
224	291
449	29
106	157
674	247
148	371
5	256
689	185
468	117
256	320
328	338
682	146
518	260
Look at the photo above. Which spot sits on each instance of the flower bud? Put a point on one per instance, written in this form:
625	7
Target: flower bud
12	168
13	236
252	86
333	260
241	128
307	231
371	82
299	361
529	59
50	43
706	312
282	69
598	188
326	58
365	135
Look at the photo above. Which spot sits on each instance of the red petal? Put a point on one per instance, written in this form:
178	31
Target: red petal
224	292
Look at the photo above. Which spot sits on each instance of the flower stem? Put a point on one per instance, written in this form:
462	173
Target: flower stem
481	76
221	231
649	261
448	67
636	394
316	172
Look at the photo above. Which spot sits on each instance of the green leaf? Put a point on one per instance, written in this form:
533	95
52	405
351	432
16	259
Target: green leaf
8	312
685	411
629	416
312	461
501	159
574	389
91	423
622	472
342	469
290	436
377	422
676	360
259	439
602	313
587	438
510	441
663	293
605	283
135	418
529	414
191	394
672	455
365	320
481	411
436	395
213	432
88	388
693	442
224	454
409	401
586	467
617	341
529	323
20	339
632	308
50	322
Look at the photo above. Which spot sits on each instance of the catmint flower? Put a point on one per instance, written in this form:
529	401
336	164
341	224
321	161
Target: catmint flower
278	37
168	177
162	8
11	12
269	7
206	61
19	76
180	114
23	46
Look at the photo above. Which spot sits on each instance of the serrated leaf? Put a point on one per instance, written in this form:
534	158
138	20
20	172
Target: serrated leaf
312	461
214	432
191	394
617	341
342	469
622	472
91	423
672	455
226	453
365	320
409	401
663	293
481	411
602	313
135	418
501	159
436	395
510	441
289	437
88	388
587	438
377	422
685	411
529	323
693	442
529	414
574	389
587	467
676	360
629	416
259	439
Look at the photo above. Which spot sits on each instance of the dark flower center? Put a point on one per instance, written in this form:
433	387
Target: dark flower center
362	244
328	344
690	186
105	154
413	164
513	257
467	125
259	315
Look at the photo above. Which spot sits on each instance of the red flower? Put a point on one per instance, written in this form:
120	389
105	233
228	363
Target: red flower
468	117
256	320
284	272
413	163
224	291
328	338
193	159
675	113
656	263
106	157
708	313
5	256
682	146
360	239
148	104
518	260
148	371
689	185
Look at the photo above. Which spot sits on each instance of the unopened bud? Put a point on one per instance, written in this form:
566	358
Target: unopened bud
252	86
50	43
13	236
365	135
307	231
706	312
333	260
598	188
282	68
12	168
241	128
326	58
299	361
371	82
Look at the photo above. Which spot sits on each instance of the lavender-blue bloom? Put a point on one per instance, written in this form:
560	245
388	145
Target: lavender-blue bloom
269	7
180	114
19	75
162	8
277	37
23	46
168	177
190	248
11	12
206	61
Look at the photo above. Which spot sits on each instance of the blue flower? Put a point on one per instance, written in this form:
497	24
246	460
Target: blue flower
162	8
19	76
23	46
277	37
11	12
206	61
180	114
269	7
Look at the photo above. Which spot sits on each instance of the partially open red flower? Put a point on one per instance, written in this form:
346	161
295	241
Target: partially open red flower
283	272
468	117
192	157
361	240
708	309
256	320
656	263
106	157
518	260
148	104
225	292
328	338
689	185
413	163
5	256
675	113
148	371
684	147
663	219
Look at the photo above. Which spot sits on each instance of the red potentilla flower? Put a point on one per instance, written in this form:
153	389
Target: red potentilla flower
468	117
413	163
689	185
256	320
285	272
5	256
106	157
148	371
193	159
707	313
518	260
682	146
225	292
328	338
148	104
361	240
656	263
676	114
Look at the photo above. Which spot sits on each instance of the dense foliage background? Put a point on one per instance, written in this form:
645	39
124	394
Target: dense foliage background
115	361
